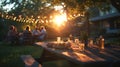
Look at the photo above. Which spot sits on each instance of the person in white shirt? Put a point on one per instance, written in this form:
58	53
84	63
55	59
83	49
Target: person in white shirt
43	33
36	33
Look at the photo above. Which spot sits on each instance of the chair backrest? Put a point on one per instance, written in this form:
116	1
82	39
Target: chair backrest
27	36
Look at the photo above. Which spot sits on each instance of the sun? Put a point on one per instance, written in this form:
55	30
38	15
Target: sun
59	16
60	19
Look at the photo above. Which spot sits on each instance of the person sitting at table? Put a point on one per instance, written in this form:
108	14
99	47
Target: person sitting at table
43	33
36	33
71	37
26	36
12	35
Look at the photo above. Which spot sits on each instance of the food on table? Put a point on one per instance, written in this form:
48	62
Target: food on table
64	45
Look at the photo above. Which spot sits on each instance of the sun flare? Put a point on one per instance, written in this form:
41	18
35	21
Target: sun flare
60	19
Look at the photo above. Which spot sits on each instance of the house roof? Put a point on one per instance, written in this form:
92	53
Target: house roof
105	17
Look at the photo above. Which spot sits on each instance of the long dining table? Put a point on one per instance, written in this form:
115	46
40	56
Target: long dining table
107	57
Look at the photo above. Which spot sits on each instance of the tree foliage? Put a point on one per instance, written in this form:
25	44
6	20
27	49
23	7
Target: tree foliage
39	7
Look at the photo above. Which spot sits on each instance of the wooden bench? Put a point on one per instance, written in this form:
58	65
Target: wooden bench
29	61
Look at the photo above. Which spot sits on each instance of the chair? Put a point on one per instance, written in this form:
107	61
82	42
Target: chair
26	38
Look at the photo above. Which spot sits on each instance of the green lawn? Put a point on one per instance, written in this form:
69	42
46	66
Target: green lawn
10	56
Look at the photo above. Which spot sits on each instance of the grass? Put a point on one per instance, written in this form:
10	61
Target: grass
10	56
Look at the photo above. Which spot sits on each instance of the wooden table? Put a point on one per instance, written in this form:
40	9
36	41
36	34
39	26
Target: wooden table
89	56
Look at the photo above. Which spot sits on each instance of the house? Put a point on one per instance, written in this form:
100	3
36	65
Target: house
108	22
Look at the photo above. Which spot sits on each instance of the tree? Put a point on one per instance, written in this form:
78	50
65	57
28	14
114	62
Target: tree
72	7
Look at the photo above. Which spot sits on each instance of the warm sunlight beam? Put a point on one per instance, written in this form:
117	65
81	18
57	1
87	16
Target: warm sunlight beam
60	19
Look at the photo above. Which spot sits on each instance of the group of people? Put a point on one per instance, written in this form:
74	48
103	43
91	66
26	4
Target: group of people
27	36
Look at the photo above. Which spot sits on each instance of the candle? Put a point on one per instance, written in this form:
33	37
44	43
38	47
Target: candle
76	41
58	39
